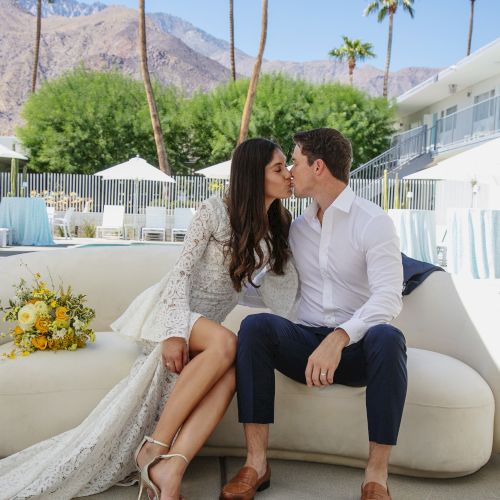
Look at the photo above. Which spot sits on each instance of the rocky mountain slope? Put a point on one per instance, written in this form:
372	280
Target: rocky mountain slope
101	37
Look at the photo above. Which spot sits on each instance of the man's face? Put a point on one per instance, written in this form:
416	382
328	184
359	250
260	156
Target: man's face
303	174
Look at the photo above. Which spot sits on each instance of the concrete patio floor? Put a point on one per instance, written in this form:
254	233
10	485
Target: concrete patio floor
311	481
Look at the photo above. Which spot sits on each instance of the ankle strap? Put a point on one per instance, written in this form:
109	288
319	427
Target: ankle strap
149	439
172	455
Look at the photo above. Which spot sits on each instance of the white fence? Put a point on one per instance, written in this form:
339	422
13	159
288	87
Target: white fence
89	193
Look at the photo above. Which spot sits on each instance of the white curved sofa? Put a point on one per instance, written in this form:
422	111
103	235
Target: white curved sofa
449	426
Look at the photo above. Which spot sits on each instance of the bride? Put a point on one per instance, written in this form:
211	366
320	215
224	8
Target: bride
158	417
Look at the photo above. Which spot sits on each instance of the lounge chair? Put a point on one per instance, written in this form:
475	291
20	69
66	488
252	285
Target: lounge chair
156	222
182	219
112	221
63	222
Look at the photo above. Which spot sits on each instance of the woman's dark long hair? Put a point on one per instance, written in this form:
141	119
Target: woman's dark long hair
250	224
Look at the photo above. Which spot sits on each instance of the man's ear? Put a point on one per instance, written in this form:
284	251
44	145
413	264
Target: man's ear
319	166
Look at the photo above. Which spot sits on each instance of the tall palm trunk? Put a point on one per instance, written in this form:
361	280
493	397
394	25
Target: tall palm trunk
388	57
155	120
471	20
231	40
247	110
37	43
352	64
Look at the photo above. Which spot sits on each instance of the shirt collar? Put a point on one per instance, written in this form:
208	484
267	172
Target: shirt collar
343	202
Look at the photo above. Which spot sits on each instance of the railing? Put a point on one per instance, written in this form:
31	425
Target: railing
88	193
466	125
403	150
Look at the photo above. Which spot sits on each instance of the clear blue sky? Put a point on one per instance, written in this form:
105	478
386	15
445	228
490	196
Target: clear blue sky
301	31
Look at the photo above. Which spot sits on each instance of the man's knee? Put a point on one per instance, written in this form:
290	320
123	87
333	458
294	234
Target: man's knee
255	328
385	338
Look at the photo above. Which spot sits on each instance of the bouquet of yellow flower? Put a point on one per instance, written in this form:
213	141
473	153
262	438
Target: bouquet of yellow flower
46	319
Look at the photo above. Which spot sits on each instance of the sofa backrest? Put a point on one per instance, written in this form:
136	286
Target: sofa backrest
110	276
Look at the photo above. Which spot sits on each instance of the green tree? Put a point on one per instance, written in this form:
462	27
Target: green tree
352	51
384	8
85	121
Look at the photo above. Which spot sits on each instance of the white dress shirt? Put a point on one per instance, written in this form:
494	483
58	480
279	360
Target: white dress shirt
349	266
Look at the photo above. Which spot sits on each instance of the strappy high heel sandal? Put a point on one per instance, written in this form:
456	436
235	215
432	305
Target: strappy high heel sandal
146	481
146	439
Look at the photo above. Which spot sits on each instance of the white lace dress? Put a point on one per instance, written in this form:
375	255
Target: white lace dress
99	452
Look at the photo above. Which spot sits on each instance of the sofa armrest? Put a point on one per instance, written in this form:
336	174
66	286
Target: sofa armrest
457	317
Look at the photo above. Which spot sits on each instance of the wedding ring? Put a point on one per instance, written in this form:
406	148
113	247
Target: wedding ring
323	374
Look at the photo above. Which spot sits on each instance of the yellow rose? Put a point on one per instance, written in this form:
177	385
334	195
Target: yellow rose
41	308
61	313
18	330
27	316
40	342
42	325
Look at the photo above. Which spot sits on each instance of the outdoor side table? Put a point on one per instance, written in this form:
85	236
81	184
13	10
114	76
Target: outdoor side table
28	221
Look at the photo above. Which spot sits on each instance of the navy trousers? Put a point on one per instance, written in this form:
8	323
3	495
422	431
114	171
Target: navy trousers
267	342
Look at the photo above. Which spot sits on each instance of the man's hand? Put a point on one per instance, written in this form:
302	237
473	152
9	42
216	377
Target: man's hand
175	354
325	359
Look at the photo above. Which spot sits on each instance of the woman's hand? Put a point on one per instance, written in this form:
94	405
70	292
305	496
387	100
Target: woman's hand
175	354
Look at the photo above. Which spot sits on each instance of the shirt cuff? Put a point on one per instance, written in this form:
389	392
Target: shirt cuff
355	329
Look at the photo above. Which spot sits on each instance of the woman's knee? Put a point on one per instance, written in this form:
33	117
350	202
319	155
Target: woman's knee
225	346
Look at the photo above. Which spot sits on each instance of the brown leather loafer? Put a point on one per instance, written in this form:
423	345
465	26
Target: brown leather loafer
374	491
246	484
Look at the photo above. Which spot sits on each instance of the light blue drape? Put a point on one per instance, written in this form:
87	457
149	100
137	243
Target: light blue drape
28	219
474	242
417	233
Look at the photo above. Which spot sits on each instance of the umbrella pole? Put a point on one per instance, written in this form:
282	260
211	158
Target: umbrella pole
136	205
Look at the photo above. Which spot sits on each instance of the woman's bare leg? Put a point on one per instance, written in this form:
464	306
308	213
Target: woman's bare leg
213	348
167	474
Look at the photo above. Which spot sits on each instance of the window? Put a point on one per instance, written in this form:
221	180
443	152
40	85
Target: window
483	106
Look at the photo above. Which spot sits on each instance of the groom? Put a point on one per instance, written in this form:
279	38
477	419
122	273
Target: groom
347	256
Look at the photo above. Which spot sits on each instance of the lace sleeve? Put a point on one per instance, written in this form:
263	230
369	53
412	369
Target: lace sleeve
279	293
173	311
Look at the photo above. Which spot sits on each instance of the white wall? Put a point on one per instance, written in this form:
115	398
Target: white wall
461	99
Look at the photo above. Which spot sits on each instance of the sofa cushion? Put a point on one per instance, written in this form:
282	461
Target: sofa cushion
446	431
50	392
447	425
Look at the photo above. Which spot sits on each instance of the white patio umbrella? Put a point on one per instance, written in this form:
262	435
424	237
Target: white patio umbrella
480	164
136	169
218	171
9	154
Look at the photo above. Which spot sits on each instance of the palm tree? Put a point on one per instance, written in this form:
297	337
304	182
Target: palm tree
247	110
231	40
37	42
384	8
471	19
352	51
155	120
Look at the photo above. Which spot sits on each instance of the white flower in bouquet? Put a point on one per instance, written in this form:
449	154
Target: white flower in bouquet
59	334
27	316
78	324
41	308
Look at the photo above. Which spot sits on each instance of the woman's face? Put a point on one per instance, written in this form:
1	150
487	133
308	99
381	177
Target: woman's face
277	178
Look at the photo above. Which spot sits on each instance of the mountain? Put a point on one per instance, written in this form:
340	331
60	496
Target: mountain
66	8
104	40
101	37
366	77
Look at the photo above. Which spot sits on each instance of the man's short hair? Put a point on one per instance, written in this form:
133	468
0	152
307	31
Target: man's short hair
329	145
